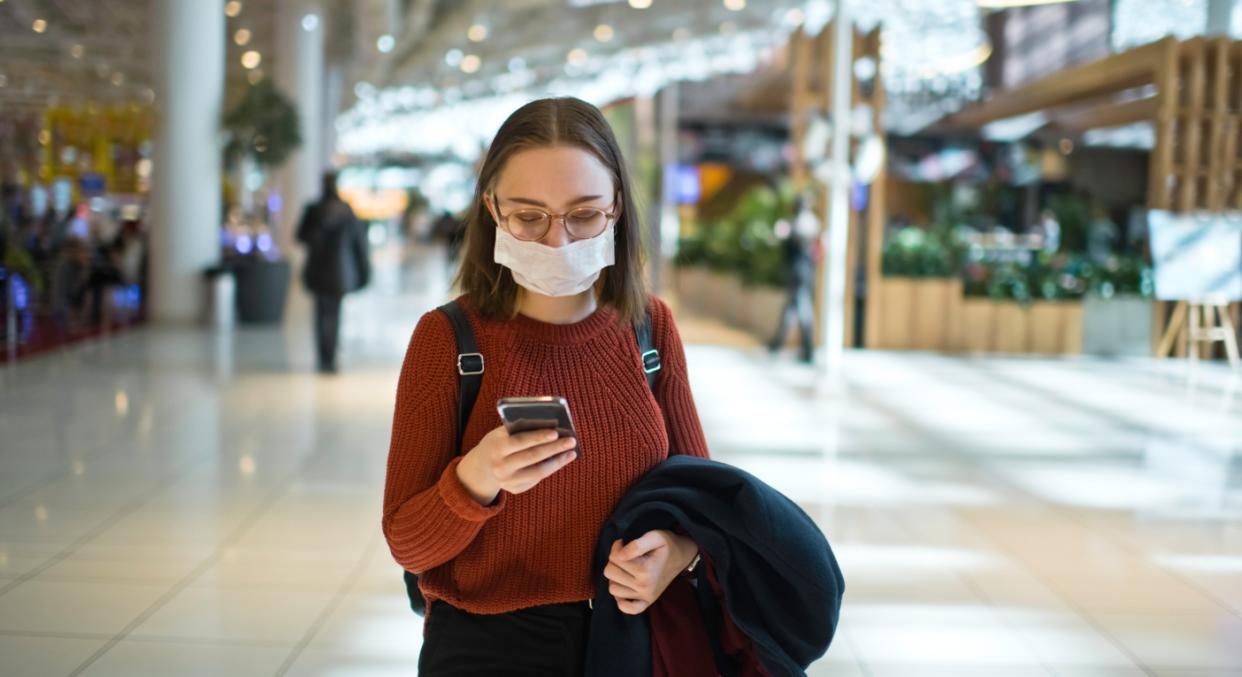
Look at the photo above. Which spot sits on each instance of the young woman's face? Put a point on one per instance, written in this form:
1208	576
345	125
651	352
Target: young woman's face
557	180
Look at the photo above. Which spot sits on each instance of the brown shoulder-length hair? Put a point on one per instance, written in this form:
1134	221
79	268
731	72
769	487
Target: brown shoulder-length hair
541	124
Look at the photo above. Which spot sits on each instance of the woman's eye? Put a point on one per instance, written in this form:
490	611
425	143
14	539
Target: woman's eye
585	216
529	217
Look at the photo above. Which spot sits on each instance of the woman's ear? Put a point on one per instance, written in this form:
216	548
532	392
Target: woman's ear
489	205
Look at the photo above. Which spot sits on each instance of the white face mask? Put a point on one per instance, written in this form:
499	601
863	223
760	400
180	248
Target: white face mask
556	271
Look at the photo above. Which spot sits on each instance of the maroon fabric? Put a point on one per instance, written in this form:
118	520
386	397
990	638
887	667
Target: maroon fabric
680	646
734	642
679	642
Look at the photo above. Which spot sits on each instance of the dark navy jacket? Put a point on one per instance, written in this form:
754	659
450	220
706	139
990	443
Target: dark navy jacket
778	579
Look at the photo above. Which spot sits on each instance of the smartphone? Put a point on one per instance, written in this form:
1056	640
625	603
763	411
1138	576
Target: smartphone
523	414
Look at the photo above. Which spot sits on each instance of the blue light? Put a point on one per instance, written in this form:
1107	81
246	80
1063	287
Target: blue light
21	292
265	242
274	203
244	244
682	184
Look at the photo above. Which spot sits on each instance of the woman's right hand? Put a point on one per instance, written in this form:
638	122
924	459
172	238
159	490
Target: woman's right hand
514	463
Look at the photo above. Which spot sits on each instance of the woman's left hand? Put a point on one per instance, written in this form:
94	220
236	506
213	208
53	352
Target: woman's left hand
639	572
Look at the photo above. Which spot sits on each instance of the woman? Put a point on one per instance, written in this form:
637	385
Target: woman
503	529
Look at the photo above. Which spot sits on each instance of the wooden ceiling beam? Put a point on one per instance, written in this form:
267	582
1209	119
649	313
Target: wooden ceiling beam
1113	114
1109	75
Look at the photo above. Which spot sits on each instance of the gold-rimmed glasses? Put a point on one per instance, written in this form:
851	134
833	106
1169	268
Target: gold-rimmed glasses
532	223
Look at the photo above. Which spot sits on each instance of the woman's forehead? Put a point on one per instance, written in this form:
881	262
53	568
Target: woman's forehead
554	175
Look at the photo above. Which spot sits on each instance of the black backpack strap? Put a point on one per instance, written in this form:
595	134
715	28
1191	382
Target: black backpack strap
469	378
647	350
469	366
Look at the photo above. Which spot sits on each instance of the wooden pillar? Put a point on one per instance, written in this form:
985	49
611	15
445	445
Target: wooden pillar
1159	190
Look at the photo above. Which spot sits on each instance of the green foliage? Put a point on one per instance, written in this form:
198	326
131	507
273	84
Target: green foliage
743	242
915	252
1057	277
1073	213
264	124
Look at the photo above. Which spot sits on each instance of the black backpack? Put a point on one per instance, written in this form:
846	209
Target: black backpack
470	376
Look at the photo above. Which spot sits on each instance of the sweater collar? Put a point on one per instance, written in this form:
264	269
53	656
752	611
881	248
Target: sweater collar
565	334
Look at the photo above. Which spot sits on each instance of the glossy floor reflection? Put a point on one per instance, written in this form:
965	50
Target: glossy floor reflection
177	502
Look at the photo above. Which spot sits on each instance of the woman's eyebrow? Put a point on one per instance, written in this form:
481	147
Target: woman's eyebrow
537	203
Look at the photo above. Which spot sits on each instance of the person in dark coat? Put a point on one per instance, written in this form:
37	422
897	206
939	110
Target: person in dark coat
338	262
767	593
799	276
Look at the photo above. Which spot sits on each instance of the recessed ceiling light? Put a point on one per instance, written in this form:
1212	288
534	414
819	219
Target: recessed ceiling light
577	56
470	63
39	25
251	59
242	36
232	8
640	4
477	33
604	33
385	43
735	5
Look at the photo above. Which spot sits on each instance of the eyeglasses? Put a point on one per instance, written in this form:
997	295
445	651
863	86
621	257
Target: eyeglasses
532	224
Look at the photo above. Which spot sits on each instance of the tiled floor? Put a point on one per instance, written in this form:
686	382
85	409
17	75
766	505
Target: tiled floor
174	502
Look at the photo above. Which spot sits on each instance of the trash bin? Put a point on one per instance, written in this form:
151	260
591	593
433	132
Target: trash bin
262	289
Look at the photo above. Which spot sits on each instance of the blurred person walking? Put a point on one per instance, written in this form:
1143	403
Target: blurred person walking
795	241
338	262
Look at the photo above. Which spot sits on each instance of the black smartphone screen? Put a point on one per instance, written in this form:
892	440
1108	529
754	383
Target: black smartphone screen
523	414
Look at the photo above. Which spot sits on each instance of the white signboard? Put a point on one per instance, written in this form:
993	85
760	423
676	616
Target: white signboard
1197	256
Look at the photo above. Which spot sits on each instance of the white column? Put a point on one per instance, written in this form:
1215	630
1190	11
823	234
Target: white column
1219	17
839	192
300	75
334	95
188	40
669	229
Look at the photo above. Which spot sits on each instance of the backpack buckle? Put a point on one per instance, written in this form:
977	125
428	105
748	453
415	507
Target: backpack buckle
470	364
651	361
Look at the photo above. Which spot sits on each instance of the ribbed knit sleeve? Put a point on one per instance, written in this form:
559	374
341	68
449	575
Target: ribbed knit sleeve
681	418
429	517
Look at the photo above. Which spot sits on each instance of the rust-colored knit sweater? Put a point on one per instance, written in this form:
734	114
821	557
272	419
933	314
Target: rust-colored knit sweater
533	548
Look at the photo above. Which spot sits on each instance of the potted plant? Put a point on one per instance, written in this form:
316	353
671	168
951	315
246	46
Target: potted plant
263	128
920	292
1117	310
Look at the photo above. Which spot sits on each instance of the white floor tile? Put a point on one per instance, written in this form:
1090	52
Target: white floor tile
372	624
213	611
1173	641
26	656
75	606
132	658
